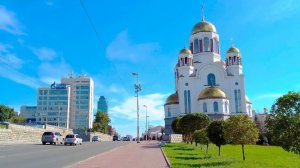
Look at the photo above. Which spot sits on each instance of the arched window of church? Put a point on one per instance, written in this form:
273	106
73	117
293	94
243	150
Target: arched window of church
185	60
211	45
234	60
191	47
226	106
204	107
196	46
201	45
169	112
216	107
211	79
206	44
185	102
189	101
216	46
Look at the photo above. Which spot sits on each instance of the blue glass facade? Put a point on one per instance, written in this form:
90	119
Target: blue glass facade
102	104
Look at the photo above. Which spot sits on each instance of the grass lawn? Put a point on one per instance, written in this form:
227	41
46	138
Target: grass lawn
2	126
187	155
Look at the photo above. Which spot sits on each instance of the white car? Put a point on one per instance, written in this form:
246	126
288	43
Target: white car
73	139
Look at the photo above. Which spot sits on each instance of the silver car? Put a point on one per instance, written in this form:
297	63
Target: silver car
73	139
52	138
96	139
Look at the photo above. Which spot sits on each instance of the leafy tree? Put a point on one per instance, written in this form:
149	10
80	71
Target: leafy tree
284	122
192	122
215	133
101	122
239	129
6	113
200	136
175	126
17	119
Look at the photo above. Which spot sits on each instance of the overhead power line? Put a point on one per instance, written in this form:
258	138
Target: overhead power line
90	21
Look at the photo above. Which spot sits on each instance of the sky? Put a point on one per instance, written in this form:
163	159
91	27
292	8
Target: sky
41	41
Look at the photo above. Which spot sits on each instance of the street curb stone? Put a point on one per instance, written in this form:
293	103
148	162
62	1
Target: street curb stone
167	160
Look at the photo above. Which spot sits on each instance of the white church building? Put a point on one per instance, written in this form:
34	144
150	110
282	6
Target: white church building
206	83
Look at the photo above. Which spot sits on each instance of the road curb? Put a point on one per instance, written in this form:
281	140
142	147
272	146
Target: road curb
166	158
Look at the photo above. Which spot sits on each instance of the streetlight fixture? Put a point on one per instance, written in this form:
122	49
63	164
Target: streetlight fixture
137	88
146	130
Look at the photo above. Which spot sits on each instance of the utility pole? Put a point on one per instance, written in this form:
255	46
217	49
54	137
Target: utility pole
146	130
137	88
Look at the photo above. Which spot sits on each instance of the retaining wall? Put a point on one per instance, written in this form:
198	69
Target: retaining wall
103	137
19	134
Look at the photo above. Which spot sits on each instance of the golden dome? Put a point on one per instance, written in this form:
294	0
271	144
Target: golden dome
233	50
212	93
204	26
172	99
185	51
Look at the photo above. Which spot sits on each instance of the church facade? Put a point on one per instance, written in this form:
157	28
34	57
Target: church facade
206	83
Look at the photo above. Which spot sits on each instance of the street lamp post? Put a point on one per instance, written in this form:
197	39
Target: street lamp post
148	126
146	130
58	120
137	88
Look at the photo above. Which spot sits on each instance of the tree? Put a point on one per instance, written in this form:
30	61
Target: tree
6	113
101	122
239	129
175	126
284	122
192	122
17	119
215	133
200	136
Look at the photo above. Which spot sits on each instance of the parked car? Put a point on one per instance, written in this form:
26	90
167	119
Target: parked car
52	138
115	138
126	139
73	139
96	139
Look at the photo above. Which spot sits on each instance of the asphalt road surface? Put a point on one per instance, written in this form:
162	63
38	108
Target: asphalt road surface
51	156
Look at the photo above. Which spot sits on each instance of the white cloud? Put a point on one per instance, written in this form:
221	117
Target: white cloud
127	108
8	58
268	96
18	77
8	22
50	72
114	88
273	11
44	53
121	48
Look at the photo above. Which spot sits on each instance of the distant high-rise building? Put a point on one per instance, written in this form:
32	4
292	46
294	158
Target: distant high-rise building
28	112
53	105
81	104
102	104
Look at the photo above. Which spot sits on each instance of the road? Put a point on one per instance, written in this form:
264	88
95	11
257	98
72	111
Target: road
51	156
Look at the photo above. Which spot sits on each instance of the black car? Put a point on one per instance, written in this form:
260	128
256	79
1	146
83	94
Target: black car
115	138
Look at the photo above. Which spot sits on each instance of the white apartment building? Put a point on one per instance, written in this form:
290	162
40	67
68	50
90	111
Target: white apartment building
81	101
28	112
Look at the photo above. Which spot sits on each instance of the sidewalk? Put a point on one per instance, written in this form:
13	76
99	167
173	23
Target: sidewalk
146	154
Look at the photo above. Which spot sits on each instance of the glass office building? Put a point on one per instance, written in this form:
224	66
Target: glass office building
53	105
102	104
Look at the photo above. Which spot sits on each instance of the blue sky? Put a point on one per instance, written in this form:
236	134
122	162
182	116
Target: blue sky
40	41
